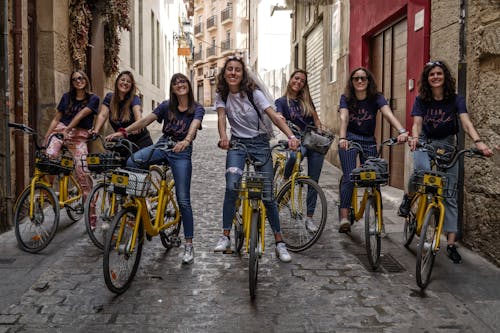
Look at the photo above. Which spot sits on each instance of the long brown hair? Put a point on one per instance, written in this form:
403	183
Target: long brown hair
72	89
123	114
174	101
371	90
304	96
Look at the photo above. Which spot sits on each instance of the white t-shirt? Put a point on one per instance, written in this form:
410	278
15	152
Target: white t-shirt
242	116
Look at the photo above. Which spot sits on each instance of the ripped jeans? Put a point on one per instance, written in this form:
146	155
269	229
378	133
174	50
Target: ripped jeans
258	148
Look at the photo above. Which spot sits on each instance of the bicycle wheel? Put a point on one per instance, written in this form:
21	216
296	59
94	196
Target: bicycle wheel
410	224
98	213
35	233
297	234
372	233
120	261
74	209
350	215
425	249
253	260
239	237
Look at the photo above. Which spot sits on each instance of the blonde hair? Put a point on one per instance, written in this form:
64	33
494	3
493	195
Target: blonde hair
303	96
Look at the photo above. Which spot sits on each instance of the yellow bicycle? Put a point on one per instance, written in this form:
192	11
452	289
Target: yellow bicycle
249	220
123	246
427	212
370	176
37	209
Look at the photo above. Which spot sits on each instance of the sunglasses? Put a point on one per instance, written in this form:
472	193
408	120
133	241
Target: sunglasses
359	78
435	63
78	78
180	81
238	58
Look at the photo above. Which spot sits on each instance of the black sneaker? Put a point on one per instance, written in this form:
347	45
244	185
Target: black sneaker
404	208
453	254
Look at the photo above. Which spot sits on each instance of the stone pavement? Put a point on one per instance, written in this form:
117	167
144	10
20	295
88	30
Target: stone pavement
326	288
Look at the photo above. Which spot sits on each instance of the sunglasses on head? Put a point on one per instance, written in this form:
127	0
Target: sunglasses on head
78	78
434	63
235	57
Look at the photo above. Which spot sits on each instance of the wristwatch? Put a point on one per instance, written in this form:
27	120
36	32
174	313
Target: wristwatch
402	130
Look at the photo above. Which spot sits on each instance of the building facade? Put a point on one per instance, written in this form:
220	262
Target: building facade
36	65
394	40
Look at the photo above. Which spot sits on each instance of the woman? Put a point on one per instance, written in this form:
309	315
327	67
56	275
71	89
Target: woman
122	107
297	106
234	86
358	110
435	113
181	117
74	117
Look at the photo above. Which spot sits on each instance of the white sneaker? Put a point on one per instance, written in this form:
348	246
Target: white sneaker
223	244
188	257
310	226
345	226
282	252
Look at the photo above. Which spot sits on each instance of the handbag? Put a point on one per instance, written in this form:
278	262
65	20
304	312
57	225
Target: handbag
318	140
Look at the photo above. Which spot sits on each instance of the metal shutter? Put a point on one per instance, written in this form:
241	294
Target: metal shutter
314	64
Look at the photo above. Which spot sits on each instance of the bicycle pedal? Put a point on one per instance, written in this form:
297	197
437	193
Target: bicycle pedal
228	251
149	237
175	240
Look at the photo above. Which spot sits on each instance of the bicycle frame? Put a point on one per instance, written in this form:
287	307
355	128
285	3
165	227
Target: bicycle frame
369	192
248	205
64	182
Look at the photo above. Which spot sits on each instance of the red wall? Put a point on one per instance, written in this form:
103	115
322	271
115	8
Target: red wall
368	17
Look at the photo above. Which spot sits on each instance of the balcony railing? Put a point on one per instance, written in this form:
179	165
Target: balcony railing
197	56
198	29
226	14
211	51
225	45
211	22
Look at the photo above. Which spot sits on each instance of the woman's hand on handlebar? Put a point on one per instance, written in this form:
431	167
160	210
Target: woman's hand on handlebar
412	142
114	136
403	137
293	143
484	148
180	146
223	143
343	143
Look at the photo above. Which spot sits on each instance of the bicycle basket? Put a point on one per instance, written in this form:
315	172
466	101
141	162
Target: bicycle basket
54	166
437	183
257	184
372	172
135	183
318	140
102	162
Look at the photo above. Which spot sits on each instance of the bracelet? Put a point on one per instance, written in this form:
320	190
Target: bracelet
291	137
478	140
123	131
402	130
342	139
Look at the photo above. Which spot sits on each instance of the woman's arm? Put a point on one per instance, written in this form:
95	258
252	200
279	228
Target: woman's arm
279	121
221	126
344	121
191	134
102	116
53	124
472	133
138	125
416	129
78	117
137	111
387	113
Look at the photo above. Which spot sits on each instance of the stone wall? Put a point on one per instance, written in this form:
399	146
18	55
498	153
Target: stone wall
482	184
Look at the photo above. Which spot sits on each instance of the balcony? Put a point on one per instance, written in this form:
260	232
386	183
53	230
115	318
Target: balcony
212	23
211	51
226	45
198	29
226	15
197	56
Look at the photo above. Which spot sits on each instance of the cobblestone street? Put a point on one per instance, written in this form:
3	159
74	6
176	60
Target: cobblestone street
327	288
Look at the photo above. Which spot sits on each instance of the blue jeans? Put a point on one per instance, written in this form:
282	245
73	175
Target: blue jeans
348	160
422	161
258	149
181	166
314	166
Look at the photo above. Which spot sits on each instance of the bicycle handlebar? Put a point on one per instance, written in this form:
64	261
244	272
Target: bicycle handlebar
431	151
233	144
388	142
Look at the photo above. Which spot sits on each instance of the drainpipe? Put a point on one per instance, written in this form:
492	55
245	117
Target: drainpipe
18	92
5	214
462	90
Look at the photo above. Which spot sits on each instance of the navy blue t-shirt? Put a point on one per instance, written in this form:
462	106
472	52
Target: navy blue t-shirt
440	118
178	127
92	102
292	111
362	120
116	124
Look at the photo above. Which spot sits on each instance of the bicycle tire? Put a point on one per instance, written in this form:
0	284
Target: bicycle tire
410	224
33	235
350	214
425	249
239	236
119	263
296	235
100	198
170	236
253	258
75	210
372	233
